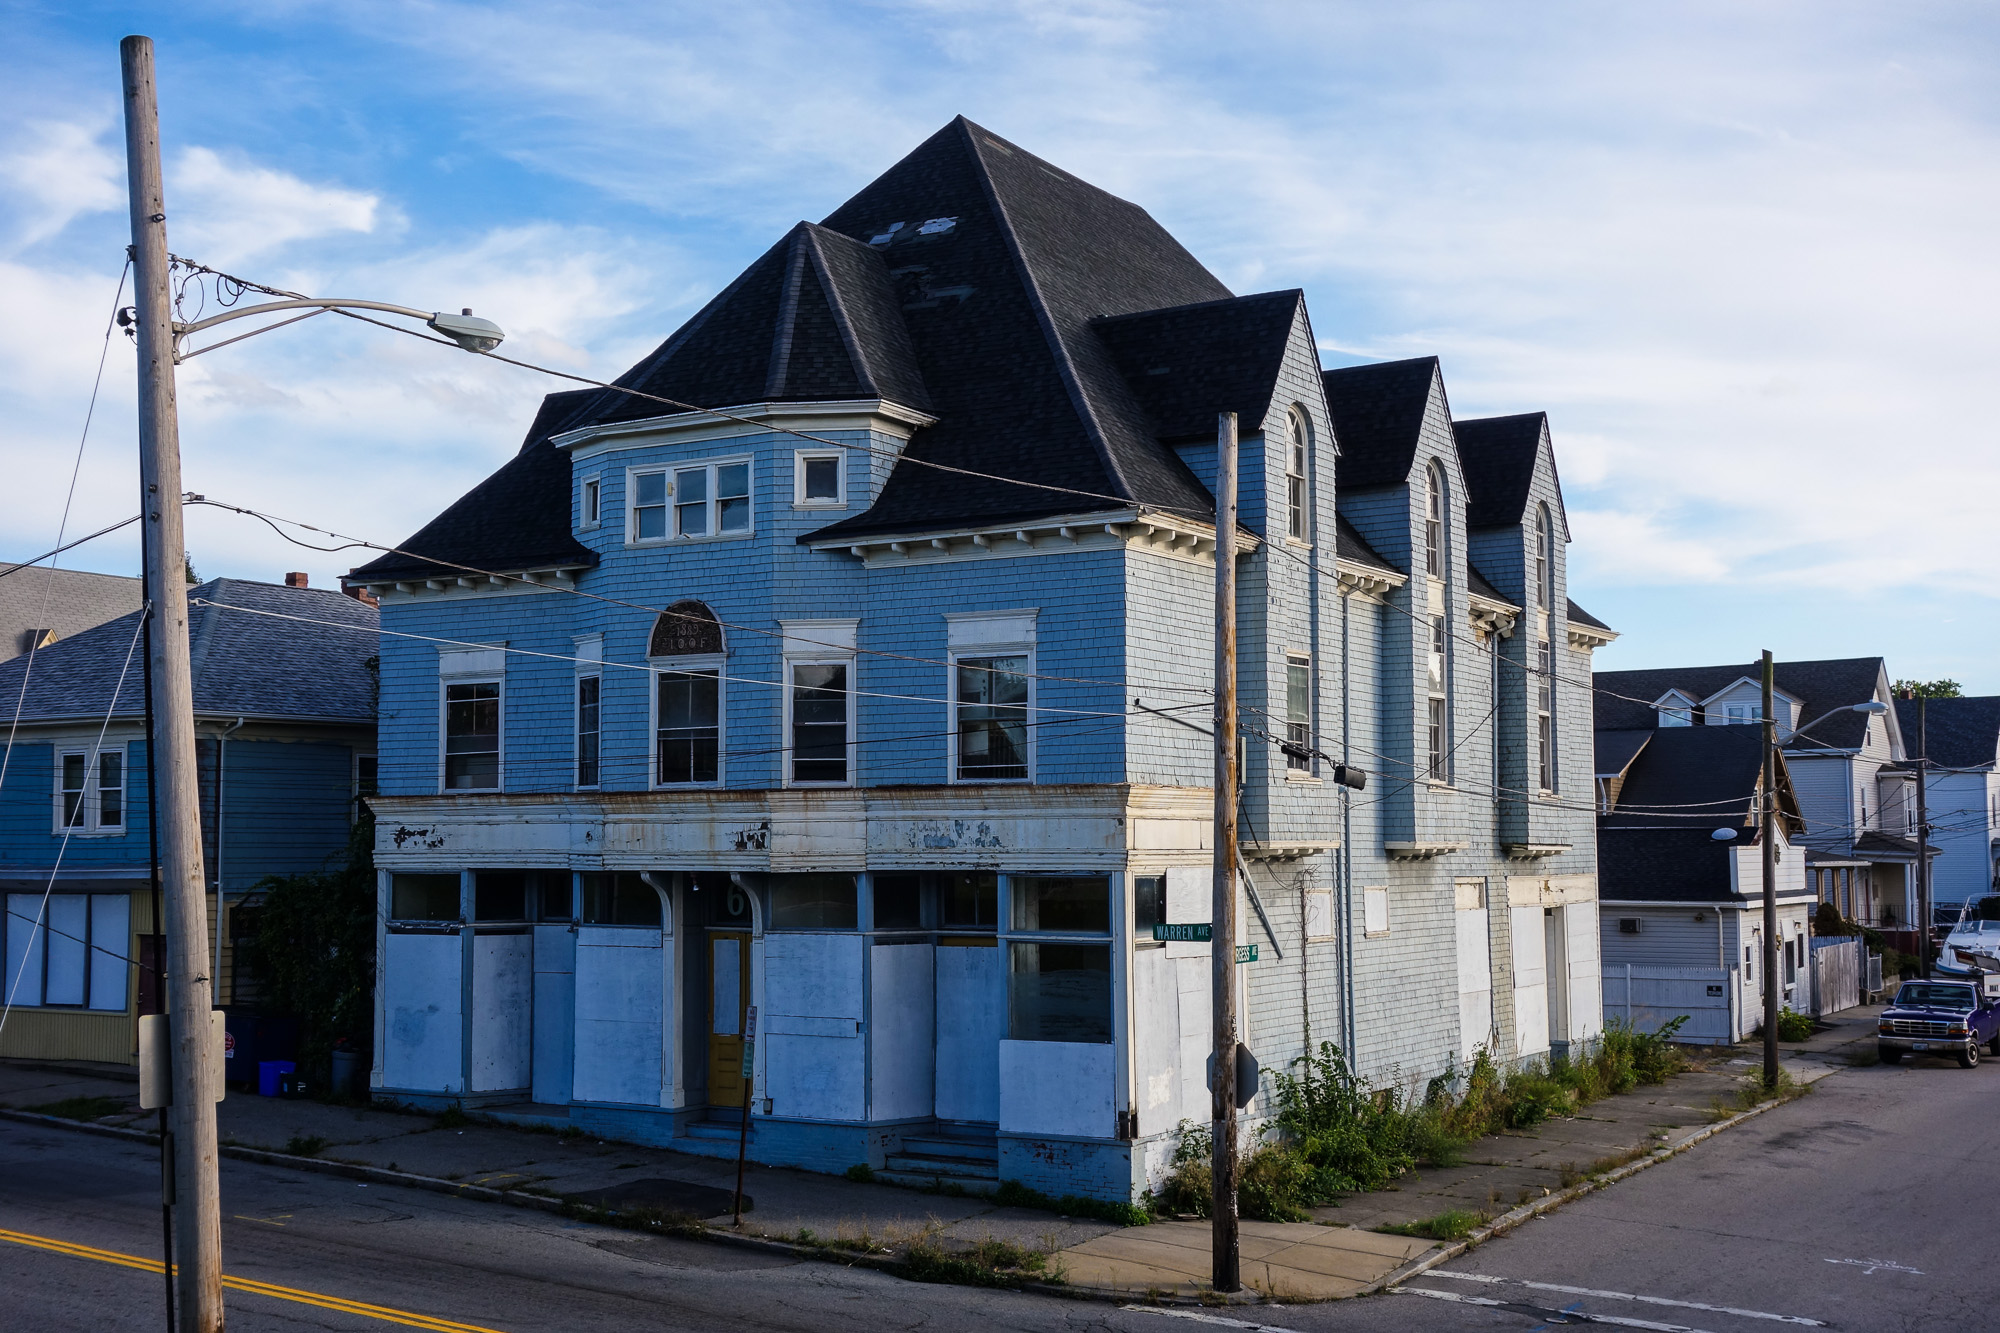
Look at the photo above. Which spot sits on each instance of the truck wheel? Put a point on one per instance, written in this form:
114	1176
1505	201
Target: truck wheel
1969	1057
1891	1055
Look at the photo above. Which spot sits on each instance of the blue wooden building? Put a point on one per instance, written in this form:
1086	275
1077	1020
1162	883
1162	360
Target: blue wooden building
876	699
284	696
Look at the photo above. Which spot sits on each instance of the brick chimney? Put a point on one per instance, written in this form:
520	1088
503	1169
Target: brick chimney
296	580
359	592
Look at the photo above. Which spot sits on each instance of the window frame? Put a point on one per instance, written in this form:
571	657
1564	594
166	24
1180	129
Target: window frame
661	667
1436	521
1548	762
1545	559
790	751
711	503
90	797
800	457
445	683
1118	887
1307	767
595	732
590	503
1371	894
1298	478
1437	695
954	656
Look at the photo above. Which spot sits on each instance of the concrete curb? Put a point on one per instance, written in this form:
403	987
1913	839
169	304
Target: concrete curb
1507	1221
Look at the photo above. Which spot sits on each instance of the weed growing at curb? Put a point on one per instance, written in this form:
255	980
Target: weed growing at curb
861	1173
1013	1194
452	1117
1452	1224
305	1145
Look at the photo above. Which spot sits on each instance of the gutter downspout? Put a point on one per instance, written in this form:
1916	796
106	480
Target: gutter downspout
221	778
1346	859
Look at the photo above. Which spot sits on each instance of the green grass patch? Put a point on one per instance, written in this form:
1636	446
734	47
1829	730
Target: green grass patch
452	1117
1452	1224
861	1173
991	1263
82	1108
305	1145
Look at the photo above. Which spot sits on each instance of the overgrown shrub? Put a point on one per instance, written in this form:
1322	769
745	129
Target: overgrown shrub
313	950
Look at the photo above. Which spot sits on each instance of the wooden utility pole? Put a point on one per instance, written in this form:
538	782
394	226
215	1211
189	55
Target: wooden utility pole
1770	841
174	807
1923	844
1222	939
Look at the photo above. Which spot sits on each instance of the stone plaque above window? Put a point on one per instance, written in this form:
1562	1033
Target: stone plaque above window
685	629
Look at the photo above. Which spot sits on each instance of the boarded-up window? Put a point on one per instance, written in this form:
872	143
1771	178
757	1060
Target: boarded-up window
1375	911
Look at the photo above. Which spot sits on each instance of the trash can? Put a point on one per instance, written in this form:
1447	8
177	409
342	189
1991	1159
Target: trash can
348	1074
270	1074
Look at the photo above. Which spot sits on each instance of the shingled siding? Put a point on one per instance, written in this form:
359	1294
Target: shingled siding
286	808
29	838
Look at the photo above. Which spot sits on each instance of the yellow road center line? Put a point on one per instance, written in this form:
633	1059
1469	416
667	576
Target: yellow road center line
249	1286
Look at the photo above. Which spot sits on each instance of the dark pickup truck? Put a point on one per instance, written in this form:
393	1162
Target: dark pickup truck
1954	1018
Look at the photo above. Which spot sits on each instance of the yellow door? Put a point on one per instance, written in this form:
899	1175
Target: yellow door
729	997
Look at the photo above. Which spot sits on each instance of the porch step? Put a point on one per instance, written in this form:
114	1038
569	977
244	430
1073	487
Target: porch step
943	1147
971	1161
714	1129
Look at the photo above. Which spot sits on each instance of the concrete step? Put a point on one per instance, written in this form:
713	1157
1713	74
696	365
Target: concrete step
712	1129
967	1150
925	1167
930	1179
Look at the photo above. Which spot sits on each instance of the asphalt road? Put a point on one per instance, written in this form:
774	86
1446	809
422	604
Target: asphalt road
1861	1206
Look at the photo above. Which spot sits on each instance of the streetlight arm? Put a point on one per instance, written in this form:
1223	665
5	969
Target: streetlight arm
469	332
324	303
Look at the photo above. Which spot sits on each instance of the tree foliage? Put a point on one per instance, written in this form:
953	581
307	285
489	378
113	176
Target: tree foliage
1928	689
313	949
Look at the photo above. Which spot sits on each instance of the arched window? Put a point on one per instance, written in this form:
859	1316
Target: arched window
687	742
1545	559
1297	447
1434	529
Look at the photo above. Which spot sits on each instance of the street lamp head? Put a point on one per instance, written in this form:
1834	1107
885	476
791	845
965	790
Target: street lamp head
1874	708
1724	835
467	330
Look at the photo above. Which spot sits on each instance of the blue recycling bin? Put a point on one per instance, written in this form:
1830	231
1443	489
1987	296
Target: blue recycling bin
270	1074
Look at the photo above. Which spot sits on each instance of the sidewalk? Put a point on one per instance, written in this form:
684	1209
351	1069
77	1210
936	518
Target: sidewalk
1339	1254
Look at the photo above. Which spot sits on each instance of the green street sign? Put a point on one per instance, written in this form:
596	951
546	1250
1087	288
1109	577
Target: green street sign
1185	932
1246	953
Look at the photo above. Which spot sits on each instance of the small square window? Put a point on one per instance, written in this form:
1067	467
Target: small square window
818	480
1072	904
969	900
899	901
423	897
1149	904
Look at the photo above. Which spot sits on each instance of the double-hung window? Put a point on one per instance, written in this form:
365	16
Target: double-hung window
993	705
819	711
472	735
589	729
1434	528
90	791
822	715
1298	715
688	722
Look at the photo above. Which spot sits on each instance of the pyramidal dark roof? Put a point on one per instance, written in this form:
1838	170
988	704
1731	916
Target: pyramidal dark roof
1378	411
1002	262
1497	455
1960	733
973	282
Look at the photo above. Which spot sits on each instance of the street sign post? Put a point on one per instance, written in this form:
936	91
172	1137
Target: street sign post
1184	932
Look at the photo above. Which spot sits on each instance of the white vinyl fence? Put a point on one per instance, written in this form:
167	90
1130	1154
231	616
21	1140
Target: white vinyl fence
1645	998
1839	973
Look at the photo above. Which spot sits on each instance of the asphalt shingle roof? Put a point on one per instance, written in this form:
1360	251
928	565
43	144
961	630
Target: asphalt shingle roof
1662	865
1497	455
1483	586
1819	687
1583	617
1684	772
1960	733
1615	749
1023	308
290	664
1378	412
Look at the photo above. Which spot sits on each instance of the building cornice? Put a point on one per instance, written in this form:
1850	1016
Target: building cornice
502	583
1370	581
1589	637
877	414
1131	529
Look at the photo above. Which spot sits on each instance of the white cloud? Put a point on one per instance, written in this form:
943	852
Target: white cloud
60	171
223	210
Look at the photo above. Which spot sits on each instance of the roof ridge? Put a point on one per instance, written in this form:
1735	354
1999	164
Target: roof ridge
1298	292
1065	364
857	355
783	328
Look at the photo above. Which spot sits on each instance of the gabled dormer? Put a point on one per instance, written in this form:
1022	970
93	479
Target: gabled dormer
1677	708
1741	703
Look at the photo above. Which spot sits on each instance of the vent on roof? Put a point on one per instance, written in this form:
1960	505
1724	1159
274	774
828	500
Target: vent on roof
937	226
886	235
1628	925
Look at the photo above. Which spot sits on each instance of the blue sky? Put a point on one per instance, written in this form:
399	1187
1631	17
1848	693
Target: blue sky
1742	254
